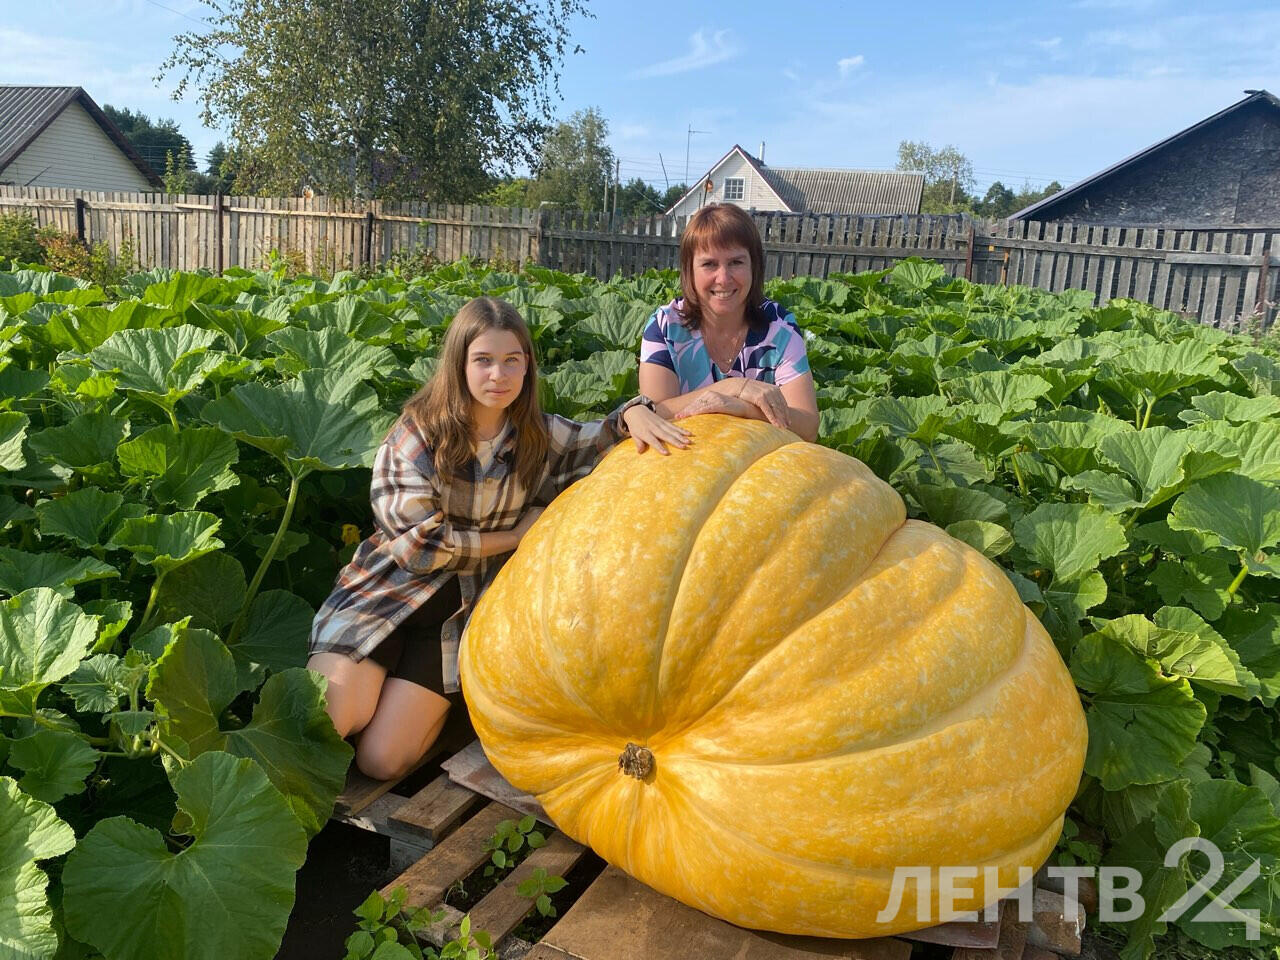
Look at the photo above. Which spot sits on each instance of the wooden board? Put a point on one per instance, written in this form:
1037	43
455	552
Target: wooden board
620	917
502	908
434	809
452	858
470	768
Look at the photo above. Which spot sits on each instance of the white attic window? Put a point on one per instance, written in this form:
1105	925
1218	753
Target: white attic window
734	188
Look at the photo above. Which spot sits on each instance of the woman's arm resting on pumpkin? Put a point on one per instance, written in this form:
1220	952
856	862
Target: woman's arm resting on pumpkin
793	406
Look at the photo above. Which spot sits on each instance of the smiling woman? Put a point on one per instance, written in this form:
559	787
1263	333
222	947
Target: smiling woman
723	347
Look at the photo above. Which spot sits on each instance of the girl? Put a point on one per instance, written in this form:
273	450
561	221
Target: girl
453	491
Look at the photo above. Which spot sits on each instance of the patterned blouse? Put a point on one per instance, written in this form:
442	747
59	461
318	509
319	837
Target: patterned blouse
412	553
775	354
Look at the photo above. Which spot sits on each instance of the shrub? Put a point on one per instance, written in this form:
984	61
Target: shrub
96	263
19	239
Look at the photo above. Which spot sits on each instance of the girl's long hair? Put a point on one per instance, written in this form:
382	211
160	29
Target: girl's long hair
442	406
721	225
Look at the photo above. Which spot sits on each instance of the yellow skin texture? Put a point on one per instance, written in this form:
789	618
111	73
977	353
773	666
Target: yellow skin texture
828	689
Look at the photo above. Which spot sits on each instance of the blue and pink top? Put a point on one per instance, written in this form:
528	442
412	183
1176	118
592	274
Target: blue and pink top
775	354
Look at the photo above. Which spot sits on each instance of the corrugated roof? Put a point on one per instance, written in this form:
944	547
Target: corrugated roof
802	190
1254	96
26	111
846	191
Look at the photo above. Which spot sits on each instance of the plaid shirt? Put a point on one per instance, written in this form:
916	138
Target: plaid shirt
412	553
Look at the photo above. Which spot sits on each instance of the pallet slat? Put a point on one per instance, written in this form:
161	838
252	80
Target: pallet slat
452	858
434	809
502	908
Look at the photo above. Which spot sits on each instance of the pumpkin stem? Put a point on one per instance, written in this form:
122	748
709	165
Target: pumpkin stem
636	761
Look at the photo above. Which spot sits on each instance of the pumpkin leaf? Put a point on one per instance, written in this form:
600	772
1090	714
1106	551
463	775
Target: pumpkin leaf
29	831
1069	538
87	444
181	467
167	542
1141	724
1241	512
989	539
21	571
227	894
161	366
1165	462
87	517
290	735
42	639
55	763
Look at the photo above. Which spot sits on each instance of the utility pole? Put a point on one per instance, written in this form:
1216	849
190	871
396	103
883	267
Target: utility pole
687	139
665	179
617	179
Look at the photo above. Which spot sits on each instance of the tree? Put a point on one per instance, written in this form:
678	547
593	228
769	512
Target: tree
383	98
1000	201
507	192
674	193
151	140
948	176
639	199
576	163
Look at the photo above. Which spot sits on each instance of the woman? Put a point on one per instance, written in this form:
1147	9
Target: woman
723	347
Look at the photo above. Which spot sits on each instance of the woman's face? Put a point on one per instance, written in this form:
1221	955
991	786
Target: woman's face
496	365
722	281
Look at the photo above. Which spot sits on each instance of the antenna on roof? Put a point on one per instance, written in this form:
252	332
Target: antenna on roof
760	157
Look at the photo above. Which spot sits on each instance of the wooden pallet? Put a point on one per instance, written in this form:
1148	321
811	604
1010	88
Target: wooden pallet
440	833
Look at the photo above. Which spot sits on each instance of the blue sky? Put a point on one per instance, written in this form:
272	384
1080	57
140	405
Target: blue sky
1029	92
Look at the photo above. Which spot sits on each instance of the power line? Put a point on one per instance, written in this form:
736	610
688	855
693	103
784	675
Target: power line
179	13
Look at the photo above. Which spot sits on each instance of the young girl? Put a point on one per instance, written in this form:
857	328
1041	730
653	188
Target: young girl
454	489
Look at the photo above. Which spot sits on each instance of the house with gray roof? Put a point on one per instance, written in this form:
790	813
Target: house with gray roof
1223	170
58	137
742	179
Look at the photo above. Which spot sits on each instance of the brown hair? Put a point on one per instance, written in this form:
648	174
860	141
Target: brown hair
721	225
442	406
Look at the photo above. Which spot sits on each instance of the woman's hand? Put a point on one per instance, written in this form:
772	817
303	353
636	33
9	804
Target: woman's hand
714	402
768	398
527	520
648	429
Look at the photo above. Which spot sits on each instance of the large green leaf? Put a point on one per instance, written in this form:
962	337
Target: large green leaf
1165	462
98	684
1255	636
317	421
329	349
180	466
29	831
210	590
20	571
1069	538
615	324
274	637
88	516
87	444
54	763
227	894
1141	724
290	734
1258	445
919	418
13	431
162	366
84	328
1220	405
1012	393
42	639
1241	512
166	542
1159	369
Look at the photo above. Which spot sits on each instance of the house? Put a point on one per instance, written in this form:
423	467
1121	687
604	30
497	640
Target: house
1224	169
740	178
58	137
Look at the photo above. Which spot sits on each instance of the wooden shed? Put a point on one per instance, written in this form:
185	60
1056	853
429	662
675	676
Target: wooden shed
1223	170
742	179
58	137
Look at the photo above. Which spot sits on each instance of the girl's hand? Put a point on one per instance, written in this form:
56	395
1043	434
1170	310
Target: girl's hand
648	429
527	520
768	398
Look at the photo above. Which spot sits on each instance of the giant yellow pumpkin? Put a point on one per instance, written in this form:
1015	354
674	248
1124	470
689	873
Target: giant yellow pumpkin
741	675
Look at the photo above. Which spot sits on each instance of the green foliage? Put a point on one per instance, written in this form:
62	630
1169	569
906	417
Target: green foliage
576	163
401	100
184	452
19	239
388	930
155	140
948	175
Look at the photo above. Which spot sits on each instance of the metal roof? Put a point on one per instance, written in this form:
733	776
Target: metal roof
846	191
832	190
25	112
1253	96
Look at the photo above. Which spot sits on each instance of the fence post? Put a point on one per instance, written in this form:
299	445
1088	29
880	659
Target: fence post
81	234
368	238
217	233
1263	307
968	256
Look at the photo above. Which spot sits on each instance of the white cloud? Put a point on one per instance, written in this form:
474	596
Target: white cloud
632	131
847	65
1051	44
702	53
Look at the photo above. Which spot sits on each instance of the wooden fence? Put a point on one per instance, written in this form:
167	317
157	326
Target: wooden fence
1221	275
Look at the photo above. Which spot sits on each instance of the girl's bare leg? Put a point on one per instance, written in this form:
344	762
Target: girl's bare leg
353	691
406	722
